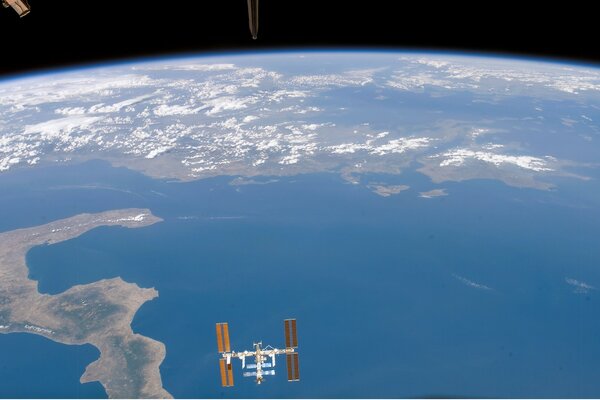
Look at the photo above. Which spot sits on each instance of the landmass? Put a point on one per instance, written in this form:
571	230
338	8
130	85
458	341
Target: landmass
241	181
518	177
98	313
387	190
433	193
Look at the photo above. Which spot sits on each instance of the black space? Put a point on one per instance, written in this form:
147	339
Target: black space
66	32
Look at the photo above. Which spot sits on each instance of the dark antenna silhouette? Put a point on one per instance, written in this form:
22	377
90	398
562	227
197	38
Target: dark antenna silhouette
253	17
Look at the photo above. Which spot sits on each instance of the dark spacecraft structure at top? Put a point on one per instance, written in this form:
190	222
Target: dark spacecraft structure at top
20	6
253	17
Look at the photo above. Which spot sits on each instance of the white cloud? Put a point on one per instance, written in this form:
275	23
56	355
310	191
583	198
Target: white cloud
394	146
158	151
226	103
187	67
471	283
249	118
478	72
223	117
102	108
347	148
71	111
61	128
410	81
165	110
458	157
62	88
348	78
7	162
579	286
400	145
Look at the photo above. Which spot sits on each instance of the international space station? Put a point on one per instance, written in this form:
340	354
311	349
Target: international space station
20	6
261	366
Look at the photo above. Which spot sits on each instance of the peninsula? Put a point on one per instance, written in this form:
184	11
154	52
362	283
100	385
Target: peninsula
98	313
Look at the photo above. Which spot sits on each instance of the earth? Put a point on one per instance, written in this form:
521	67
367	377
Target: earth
431	221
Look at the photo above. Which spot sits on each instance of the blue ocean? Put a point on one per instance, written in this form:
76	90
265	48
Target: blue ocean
455	296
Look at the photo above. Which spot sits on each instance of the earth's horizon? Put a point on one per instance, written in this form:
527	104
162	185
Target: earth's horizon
438	210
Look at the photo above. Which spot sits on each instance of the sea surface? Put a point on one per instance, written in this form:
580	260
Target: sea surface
461	295
35	367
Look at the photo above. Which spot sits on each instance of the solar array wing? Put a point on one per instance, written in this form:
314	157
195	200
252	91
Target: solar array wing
220	346
286	325
296	369
226	337
230	374
288	361
293	370
294	336
291	337
223	337
226	373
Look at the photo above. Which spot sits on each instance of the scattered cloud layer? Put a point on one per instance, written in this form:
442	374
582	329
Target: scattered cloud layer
192	118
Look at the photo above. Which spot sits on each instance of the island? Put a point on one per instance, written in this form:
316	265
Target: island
433	193
98	313
384	190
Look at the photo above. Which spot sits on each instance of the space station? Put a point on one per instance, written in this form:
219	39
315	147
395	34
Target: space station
20	6
264	357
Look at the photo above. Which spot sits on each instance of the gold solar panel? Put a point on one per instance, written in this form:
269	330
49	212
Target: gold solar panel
229	374
288	359
286	325
219	338
226	337
223	337
296	374
294	336
293	370
223	373
291	338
